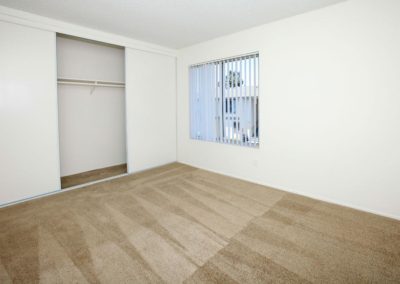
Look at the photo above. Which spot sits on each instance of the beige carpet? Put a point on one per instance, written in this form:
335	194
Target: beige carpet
180	224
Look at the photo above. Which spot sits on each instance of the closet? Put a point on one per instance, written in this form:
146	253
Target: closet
91	110
77	110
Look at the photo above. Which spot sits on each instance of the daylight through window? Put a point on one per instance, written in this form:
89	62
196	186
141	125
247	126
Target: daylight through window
224	98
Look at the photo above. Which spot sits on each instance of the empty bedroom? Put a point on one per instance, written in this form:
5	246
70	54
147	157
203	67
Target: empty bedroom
188	141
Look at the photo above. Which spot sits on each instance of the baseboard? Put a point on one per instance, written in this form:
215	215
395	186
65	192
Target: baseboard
215	171
320	198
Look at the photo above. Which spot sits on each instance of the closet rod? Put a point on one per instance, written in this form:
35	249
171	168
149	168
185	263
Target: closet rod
93	83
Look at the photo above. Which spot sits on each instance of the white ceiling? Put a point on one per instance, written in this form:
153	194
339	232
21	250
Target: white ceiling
171	23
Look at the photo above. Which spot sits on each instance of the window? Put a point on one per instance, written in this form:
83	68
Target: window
224	101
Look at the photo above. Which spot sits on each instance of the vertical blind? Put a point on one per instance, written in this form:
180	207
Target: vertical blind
224	101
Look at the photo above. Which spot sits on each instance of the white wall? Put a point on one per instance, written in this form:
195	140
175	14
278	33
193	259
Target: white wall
92	128
329	105
151	109
91	125
29	158
82	59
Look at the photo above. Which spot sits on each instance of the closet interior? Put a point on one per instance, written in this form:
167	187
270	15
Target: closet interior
91	109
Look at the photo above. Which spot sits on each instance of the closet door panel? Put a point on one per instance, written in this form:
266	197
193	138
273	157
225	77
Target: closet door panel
150	109
29	158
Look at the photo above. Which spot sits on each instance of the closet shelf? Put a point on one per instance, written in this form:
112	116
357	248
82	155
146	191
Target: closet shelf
93	83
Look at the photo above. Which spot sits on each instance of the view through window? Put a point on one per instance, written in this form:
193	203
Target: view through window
224	99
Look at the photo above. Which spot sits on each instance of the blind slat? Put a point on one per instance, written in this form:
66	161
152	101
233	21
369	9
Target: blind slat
254	101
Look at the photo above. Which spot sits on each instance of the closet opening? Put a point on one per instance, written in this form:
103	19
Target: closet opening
91	110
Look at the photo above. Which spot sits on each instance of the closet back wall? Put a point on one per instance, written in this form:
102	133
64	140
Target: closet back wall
92	126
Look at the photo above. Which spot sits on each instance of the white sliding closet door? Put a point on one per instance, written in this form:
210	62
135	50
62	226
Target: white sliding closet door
150	109
29	158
